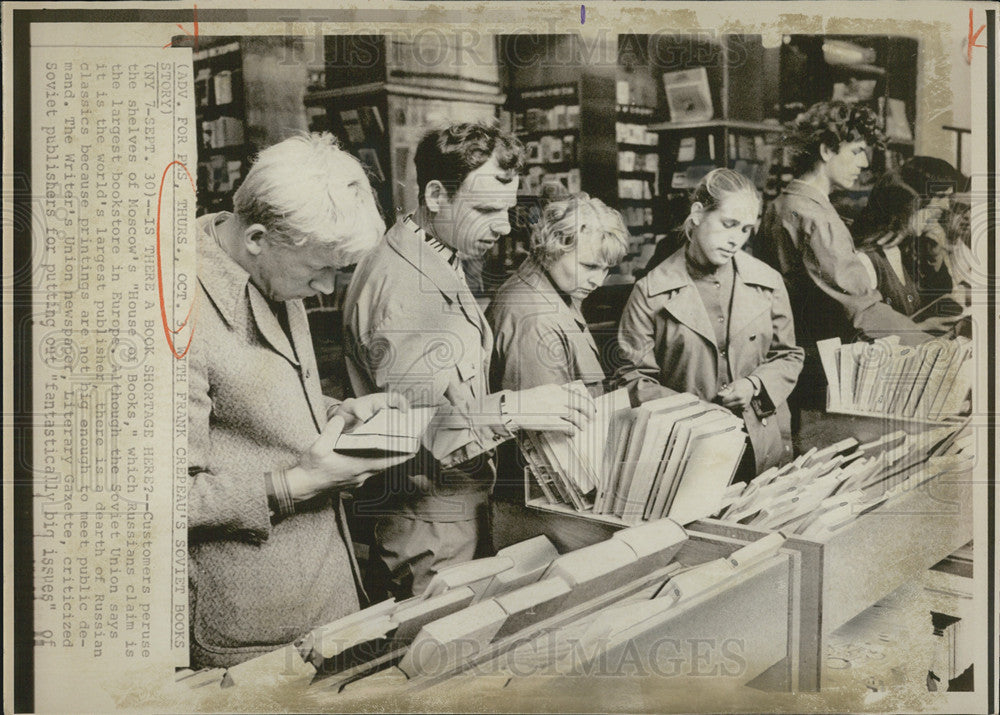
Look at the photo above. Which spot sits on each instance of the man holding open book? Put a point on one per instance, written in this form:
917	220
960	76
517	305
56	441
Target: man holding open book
269	553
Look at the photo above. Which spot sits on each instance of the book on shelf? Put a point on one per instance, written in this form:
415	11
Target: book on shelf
686	148
371	121
688	95
623	92
223	85
551	149
350	119
201	87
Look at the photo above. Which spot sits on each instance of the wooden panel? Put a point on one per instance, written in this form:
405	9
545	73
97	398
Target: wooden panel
354	59
745	625
882	549
744	61
868	559
746	619
275	86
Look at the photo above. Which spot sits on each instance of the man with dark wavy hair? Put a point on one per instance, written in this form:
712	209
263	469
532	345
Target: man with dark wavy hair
831	286
412	326
829	283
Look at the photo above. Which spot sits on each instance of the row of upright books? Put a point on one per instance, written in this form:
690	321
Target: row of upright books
672	457
536	119
927	381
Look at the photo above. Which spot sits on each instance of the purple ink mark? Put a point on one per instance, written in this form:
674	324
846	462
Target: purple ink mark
583	14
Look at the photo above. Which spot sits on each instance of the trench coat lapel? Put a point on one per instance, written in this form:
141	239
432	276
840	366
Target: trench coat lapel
298	326
682	300
748	302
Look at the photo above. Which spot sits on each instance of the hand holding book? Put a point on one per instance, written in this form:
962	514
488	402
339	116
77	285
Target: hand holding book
358	410
320	468
737	395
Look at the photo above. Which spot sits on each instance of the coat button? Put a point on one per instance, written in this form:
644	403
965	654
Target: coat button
308	373
763	421
722	320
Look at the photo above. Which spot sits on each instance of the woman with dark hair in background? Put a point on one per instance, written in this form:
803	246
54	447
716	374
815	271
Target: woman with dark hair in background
902	233
928	255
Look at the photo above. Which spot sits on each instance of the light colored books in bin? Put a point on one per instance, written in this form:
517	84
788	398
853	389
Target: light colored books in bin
569	581
929	381
470	607
617	625
672	457
825	489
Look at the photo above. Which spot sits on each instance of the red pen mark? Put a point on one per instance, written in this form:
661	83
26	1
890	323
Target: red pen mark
167	330
583	14
186	33
973	36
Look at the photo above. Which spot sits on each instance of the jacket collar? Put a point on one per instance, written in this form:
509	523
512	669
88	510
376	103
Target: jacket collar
222	277
406	239
672	274
228	285
797	187
533	275
684	303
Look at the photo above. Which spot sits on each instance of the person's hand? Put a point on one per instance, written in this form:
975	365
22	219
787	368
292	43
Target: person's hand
891	239
737	395
356	410
938	324
551	408
320	468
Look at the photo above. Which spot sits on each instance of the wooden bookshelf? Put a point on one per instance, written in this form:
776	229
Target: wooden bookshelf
220	111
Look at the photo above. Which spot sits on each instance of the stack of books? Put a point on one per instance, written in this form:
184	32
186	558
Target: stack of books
824	489
670	457
929	381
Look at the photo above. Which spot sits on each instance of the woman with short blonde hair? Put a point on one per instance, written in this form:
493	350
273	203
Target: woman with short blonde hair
540	335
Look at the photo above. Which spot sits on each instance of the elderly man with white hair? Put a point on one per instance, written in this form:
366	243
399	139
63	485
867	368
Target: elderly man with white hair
269	553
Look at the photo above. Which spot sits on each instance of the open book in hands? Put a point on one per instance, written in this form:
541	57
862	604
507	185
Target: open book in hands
388	432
